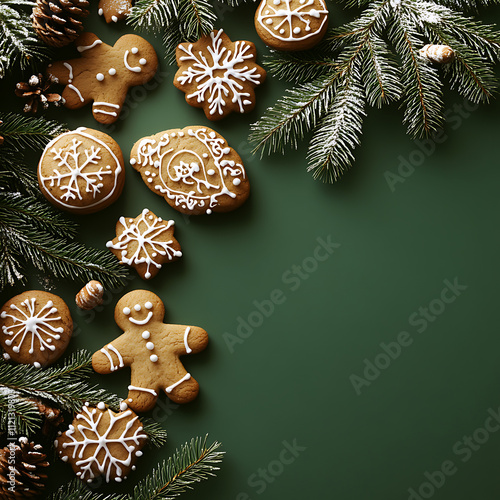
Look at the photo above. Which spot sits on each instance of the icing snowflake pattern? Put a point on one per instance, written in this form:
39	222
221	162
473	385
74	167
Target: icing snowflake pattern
289	23
27	322
173	169
79	171
89	432
143	234
220	73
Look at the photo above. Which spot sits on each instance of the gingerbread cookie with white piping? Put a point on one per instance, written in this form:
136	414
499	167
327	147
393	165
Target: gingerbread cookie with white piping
104	74
36	328
291	24
152	349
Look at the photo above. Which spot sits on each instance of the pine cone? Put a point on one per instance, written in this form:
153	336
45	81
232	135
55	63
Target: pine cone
59	22
21	470
53	416
36	90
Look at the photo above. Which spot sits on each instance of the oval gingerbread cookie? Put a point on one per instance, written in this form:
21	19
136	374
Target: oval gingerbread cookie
291	24
194	169
81	171
36	328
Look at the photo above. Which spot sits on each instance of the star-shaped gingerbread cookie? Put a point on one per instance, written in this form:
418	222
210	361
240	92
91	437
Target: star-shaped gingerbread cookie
104	74
218	75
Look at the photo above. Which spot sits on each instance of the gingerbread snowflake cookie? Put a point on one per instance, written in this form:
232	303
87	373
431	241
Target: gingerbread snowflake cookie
36	328
101	442
104	74
81	171
152	349
145	243
114	10
193	168
291	24
218	75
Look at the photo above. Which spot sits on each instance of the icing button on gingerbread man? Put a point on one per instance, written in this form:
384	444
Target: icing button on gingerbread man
104	74
152	349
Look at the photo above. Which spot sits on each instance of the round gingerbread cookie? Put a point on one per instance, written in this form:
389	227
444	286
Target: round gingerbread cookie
36	328
193	168
291	24
81	171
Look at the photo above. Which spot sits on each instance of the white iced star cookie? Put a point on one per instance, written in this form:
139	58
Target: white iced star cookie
36	327
81	171
145	243
291	24
218	75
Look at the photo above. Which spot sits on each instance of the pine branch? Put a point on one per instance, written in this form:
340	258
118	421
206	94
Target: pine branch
20	132
153	15
190	464
66	386
18	416
157	435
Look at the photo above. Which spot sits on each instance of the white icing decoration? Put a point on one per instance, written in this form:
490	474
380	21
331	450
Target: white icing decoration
134	50
114	19
186	345
78	93
145	335
126	310
101	406
191	170
123	407
87	434
148	304
143	389
100	12
6	356
137	307
70	69
170	388
281	20
36	364
99	77
153	358
28	322
144	234
142	61
83	48
150	346
142	321
69	169
112	71
219	78
135	69
113	349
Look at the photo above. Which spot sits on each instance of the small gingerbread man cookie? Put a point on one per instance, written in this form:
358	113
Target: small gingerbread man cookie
145	243
104	74
218	75
152	349
101	442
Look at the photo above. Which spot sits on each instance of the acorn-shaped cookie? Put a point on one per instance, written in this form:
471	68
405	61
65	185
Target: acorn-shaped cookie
291	24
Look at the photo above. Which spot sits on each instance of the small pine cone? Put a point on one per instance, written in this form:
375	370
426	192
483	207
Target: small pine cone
90	295
59	22
52	416
36	90
439	54
22	470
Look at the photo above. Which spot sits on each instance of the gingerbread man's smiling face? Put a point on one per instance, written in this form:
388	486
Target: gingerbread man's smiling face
137	309
136	57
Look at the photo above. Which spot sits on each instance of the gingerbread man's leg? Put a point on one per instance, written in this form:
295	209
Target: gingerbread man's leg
182	387
143	389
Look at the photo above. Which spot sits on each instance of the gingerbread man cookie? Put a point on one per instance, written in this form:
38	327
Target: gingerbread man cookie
151	348
104	74
218	75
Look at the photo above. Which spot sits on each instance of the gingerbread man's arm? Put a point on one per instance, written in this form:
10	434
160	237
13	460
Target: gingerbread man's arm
186	339
113	356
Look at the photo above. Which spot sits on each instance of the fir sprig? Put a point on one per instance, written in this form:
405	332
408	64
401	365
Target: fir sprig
65	386
192	463
375	60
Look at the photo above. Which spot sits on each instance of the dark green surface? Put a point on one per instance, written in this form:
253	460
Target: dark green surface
290	380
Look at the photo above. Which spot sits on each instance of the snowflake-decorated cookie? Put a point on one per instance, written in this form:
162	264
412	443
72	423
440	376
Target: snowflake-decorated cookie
101	442
81	171
193	168
36	328
151	348
218	75
104	74
145	243
291	24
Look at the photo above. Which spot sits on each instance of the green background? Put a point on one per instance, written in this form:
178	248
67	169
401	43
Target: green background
290	379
